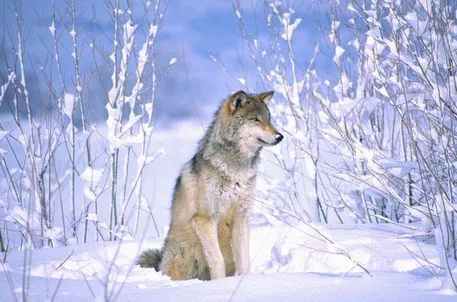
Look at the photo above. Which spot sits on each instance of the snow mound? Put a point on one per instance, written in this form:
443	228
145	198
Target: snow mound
300	263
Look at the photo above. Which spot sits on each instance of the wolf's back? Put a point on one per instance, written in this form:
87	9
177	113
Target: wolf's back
150	258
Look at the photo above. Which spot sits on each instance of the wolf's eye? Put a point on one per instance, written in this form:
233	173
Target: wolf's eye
256	119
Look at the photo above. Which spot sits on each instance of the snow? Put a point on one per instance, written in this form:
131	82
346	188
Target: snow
20	216
91	175
92	217
339	51
69	104
3	134
291	260
238	13
172	61
292	263
289	28
3	87
293	287
52	28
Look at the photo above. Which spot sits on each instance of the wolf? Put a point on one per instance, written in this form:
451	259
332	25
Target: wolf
208	237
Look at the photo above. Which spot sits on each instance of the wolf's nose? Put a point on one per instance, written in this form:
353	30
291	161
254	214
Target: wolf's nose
279	137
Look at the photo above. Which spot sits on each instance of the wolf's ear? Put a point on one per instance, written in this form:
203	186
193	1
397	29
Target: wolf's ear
238	100
265	96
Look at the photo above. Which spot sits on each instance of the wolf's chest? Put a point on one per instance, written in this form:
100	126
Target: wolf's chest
224	193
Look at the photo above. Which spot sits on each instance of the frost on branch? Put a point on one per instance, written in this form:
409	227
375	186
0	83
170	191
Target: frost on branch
59	168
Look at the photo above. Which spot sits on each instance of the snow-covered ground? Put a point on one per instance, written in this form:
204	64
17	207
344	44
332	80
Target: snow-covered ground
339	105
289	263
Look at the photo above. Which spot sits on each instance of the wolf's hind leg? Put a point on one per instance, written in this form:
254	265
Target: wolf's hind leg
175	262
206	230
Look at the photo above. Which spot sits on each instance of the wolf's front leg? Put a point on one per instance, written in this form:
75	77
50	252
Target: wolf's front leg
206	230
240	243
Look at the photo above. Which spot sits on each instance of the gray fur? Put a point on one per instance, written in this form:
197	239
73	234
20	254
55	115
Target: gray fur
208	236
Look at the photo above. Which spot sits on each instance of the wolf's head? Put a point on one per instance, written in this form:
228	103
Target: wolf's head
250	117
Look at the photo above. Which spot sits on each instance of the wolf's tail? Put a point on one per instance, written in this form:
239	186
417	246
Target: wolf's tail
150	258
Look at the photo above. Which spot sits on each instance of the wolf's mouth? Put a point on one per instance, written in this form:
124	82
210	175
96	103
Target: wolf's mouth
265	143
